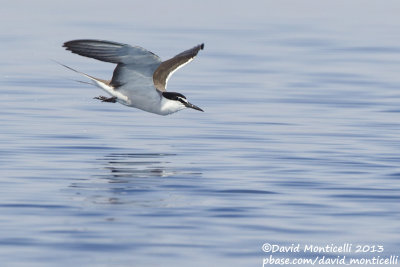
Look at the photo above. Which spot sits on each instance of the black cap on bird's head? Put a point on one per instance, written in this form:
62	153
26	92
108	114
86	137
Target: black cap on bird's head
181	98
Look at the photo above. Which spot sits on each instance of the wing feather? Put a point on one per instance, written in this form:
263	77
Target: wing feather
134	63
168	67
112	52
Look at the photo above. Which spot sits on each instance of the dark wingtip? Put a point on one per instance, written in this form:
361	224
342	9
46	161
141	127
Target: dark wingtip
202	46
70	44
67	45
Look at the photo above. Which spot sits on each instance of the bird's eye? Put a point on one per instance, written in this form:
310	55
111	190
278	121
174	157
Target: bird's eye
182	100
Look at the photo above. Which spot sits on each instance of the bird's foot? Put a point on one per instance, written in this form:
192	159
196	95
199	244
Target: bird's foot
106	99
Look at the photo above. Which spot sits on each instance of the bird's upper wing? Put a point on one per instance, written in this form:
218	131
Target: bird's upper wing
112	52
168	67
135	64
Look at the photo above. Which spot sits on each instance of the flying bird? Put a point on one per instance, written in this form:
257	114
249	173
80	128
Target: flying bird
140	77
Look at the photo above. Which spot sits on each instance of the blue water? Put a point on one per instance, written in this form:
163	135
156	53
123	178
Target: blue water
298	144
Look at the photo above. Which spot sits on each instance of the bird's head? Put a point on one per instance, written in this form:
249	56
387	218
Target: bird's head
178	101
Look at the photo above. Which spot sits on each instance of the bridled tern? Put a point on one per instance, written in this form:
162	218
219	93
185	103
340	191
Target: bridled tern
140	78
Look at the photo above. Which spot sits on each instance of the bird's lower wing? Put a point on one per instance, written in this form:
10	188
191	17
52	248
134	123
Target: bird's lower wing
168	67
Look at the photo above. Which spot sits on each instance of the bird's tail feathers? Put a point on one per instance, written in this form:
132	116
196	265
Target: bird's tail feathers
96	81
79	81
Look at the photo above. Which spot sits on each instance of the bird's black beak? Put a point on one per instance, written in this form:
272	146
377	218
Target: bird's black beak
189	105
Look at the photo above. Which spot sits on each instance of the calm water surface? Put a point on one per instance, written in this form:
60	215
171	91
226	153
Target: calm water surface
299	143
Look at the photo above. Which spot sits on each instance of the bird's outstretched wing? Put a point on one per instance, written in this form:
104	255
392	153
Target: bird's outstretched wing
135	64
112	52
167	68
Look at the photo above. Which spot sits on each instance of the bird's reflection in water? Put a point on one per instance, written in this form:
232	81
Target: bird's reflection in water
134	178
137	165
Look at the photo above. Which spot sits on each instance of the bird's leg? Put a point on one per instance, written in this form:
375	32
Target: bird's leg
106	99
